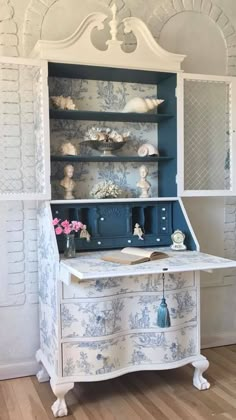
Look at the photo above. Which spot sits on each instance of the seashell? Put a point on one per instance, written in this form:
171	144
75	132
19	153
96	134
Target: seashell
142	105
62	102
68	149
147	150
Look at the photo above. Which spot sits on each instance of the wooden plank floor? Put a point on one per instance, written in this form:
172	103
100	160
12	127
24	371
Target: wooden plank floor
145	395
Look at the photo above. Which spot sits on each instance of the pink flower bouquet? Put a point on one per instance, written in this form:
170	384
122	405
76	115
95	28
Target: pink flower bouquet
66	227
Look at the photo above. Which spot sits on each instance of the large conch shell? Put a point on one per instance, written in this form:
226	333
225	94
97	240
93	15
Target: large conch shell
147	150
142	105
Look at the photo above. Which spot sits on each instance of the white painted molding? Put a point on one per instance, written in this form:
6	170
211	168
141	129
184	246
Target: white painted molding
78	48
18	370
148	47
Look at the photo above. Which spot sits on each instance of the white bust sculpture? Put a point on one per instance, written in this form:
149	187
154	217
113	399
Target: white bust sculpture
143	184
67	182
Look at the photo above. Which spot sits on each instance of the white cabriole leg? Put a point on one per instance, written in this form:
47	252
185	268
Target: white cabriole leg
199	381
42	374
59	408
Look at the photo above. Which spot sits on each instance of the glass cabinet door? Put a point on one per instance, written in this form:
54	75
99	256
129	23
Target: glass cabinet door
206	135
24	130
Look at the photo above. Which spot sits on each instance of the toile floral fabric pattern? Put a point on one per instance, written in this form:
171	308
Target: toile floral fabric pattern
114	315
127	285
89	265
108	314
48	281
150	349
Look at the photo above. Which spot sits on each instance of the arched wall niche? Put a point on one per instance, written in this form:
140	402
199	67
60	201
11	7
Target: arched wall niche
182	34
37	19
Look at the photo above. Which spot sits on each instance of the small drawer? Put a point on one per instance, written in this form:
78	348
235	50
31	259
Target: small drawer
119	314
125	285
146	349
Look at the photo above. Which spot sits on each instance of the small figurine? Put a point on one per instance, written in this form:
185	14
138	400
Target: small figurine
84	233
67	182
138	231
143	184
68	149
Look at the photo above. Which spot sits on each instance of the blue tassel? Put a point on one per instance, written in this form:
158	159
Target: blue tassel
163	315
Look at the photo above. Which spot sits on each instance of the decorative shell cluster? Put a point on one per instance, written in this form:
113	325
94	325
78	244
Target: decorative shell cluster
106	189
106	135
62	102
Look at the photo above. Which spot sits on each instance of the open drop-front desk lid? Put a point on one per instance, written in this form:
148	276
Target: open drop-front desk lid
88	265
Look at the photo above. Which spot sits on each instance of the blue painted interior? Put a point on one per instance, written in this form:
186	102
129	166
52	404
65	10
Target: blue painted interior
113	74
111	225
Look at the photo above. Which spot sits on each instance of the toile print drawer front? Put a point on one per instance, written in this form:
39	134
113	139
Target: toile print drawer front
149	350
110	316
124	285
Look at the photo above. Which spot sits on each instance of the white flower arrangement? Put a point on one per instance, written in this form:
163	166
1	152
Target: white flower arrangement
105	189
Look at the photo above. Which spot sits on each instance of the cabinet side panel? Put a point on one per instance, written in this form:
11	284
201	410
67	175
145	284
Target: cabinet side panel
48	276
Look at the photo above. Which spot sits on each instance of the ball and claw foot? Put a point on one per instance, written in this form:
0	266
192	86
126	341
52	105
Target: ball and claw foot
198	380
59	408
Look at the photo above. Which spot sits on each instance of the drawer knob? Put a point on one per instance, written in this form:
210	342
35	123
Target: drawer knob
158	239
98	318
99	243
163	228
102	218
129	241
163	209
57	212
163	218
99	356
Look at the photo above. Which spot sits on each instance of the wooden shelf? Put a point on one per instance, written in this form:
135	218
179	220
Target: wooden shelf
147	159
107	116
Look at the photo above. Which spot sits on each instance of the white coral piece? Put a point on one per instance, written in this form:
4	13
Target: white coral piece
106	189
62	102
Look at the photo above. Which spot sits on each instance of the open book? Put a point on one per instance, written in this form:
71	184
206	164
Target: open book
132	255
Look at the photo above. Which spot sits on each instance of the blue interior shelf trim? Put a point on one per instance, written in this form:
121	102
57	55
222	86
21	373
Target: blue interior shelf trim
148	159
108	116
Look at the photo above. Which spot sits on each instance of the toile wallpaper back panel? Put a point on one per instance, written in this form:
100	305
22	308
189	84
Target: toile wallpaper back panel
95	95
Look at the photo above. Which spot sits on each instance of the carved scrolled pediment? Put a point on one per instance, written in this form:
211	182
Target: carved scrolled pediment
79	48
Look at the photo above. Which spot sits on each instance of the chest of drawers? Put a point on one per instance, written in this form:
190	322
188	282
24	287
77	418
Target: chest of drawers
98	320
